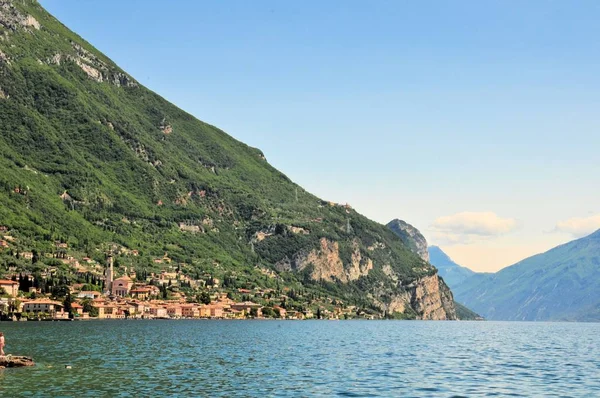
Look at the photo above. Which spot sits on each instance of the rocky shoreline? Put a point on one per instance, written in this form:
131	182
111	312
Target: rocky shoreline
14	361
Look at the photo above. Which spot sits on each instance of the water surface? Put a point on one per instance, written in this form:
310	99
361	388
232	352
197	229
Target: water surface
303	358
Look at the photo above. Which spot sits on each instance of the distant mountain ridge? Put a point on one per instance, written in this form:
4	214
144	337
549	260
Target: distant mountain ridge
453	273
560	284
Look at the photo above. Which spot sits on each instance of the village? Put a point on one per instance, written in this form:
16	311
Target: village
156	295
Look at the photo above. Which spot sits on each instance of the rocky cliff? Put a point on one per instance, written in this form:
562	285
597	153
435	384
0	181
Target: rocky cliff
430	298
427	297
411	237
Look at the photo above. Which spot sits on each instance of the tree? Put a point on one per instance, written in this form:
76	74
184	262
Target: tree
59	291
89	308
268	312
67	303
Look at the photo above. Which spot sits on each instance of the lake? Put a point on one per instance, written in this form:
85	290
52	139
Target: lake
303	358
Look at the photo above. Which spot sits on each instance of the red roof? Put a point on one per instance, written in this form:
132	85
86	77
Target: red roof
44	302
8	282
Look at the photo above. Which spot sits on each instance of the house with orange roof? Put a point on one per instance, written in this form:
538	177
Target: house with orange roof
211	311
10	287
156	311
108	311
190	311
141	293
282	311
234	314
138	308
246	307
43	306
128	309
77	309
175	311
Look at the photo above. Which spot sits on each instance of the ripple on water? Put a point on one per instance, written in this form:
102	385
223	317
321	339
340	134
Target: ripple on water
296	359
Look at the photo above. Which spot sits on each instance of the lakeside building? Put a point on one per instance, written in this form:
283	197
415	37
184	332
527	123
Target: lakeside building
10	287
246	307
190	311
175	311
157	311
108	311
43	306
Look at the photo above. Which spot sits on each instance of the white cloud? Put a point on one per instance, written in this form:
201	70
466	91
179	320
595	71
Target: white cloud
579	226
467	227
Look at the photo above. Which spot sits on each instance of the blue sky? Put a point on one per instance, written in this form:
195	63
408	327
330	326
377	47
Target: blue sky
476	121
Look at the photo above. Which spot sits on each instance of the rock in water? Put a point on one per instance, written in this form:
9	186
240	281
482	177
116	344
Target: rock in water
11	361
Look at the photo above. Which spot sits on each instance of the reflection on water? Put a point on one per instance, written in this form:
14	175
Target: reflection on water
303	358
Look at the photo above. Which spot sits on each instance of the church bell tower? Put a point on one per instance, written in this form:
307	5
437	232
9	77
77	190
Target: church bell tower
109	275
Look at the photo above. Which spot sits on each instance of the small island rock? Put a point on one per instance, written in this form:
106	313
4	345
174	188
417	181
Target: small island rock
12	361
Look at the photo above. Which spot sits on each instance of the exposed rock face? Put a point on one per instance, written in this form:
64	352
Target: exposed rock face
10	361
359	266
411	237
432	299
165	127
95	68
327	264
298	230
429	297
13	19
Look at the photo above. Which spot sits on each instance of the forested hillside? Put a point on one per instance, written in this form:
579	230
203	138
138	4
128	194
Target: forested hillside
90	159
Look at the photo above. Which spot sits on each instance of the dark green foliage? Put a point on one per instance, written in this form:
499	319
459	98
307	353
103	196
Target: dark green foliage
94	163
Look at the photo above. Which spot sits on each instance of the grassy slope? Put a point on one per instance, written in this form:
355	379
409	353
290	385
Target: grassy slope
102	144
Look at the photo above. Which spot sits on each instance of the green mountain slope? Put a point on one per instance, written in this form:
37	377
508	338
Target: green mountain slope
89	157
561	284
452	273
465	314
